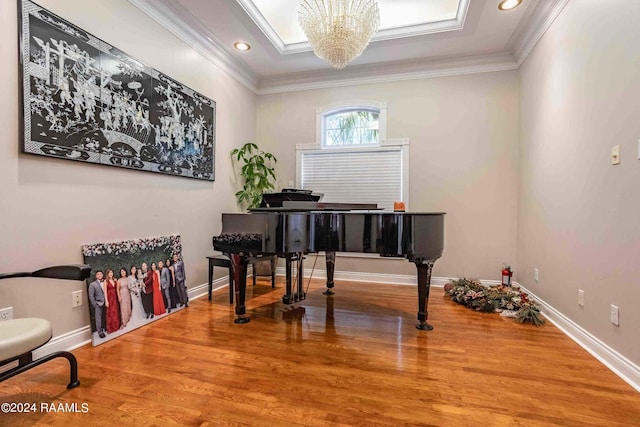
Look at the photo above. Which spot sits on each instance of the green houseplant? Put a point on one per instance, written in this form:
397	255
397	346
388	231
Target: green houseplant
257	171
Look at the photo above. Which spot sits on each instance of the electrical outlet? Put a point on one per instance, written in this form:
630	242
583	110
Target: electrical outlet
535	274
6	313
580	297
615	315
76	298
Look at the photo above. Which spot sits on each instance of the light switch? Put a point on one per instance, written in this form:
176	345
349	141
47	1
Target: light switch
615	155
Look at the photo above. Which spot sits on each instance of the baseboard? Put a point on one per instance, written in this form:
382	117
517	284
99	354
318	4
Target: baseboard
65	342
360	276
620	365
617	363
203	290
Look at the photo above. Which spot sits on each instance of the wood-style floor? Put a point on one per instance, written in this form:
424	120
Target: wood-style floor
353	359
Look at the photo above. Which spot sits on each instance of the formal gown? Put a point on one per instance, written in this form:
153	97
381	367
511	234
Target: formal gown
135	290
125	300
113	311
158	300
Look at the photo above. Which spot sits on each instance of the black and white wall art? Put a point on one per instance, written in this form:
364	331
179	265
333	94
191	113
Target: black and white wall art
85	100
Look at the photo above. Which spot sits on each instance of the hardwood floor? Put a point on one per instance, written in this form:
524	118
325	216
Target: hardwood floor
352	359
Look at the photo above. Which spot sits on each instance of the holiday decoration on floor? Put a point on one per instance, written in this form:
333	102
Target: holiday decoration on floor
497	298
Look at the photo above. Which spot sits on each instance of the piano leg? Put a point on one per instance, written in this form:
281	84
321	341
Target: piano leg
300	295
331	264
424	285
287	298
239	264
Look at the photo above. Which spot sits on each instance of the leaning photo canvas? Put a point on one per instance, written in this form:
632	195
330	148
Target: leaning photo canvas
85	100
132	283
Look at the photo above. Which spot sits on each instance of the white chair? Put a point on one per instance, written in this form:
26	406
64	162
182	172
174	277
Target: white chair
20	337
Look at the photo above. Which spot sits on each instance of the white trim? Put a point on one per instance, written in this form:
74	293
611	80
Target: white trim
537	20
616	362
82	336
370	74
65	342
196	292
283	48
177	20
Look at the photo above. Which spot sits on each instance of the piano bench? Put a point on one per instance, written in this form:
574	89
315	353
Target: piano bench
225	262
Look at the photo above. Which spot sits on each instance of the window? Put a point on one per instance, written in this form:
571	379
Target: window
352	162
351	127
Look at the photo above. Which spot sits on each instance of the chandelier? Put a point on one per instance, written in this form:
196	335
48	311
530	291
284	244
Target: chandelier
339	30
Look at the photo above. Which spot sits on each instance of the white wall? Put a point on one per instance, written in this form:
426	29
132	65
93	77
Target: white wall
50	207
579	216
463	142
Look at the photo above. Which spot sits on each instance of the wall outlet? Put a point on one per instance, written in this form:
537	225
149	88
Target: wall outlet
535	274
580	297
6	313
615	315
76	298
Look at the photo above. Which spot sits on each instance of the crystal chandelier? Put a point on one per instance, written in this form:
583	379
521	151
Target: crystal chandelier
339	30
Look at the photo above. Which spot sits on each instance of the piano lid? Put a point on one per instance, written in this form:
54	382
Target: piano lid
275	200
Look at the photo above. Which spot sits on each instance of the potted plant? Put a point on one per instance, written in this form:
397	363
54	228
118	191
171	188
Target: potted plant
257	171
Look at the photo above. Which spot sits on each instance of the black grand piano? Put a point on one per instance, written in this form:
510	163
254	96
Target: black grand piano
296	228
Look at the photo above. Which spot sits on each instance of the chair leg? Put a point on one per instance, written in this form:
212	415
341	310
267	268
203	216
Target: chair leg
73	366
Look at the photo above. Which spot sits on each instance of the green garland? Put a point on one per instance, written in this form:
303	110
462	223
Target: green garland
471	293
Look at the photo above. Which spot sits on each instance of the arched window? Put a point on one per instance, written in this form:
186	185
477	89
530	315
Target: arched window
351	126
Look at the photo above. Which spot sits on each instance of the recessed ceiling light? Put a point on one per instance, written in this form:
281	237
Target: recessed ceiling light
242	46
509	4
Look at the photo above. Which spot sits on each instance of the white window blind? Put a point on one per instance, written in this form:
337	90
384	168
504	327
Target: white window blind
373	175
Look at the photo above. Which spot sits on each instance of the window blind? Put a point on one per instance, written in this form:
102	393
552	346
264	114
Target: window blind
354	176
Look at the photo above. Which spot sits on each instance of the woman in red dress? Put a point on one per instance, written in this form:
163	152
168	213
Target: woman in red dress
113	308
158	301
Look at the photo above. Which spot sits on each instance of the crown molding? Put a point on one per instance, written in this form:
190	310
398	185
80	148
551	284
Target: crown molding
397	71
536	21
176	19
283	48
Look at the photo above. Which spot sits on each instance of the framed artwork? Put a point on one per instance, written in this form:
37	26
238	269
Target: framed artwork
85	100
132	283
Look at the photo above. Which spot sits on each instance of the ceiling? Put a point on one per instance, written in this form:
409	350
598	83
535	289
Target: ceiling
417	38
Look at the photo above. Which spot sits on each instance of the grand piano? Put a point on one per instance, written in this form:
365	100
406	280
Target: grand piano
296	228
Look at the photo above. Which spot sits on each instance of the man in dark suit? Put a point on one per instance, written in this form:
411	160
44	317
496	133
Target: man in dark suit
181	288
96	297
147	291
165	282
